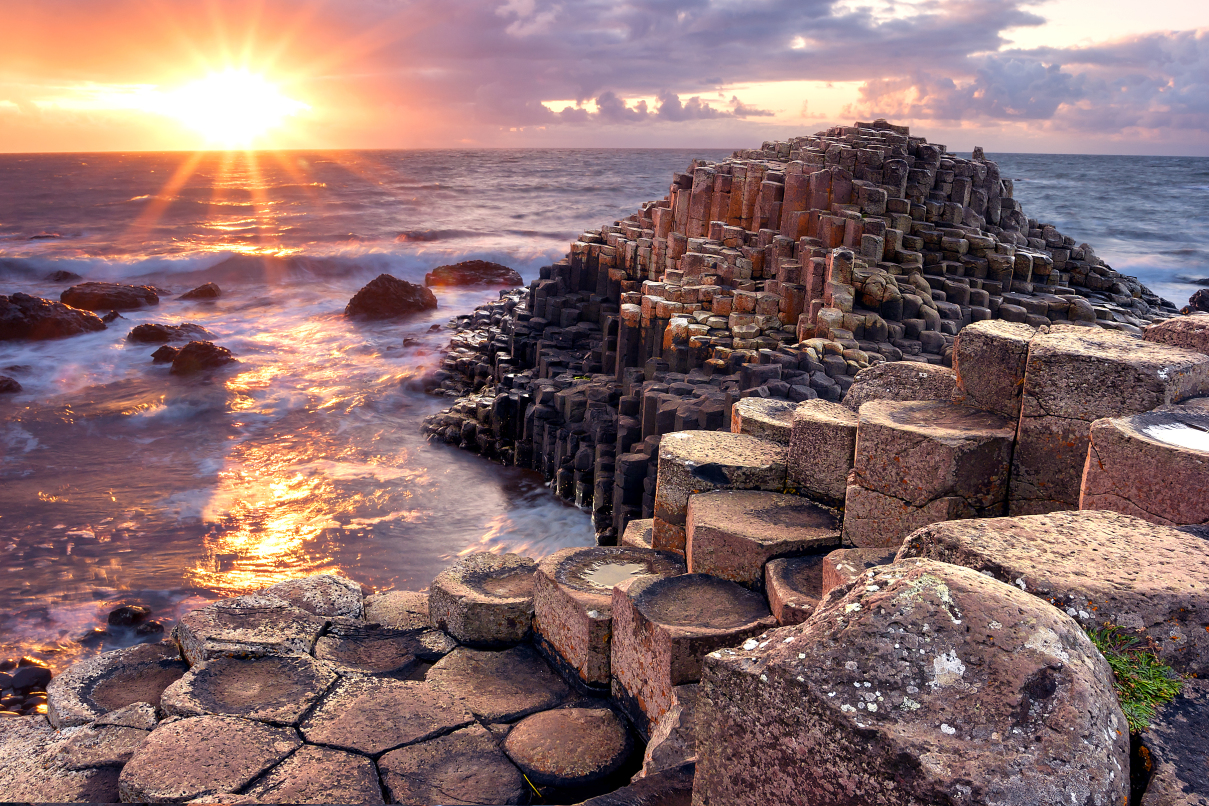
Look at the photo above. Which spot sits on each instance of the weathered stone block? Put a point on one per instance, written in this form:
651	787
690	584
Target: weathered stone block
664	626
699	461
464	767
322	594
32	771
821	450
1074	377
984	694
360	648
484	600
794	587
638	533
400	610
733	533
319	775
842	566
92	688
498	686
570	746
900	380
673	742
766	418
1189	332
573	604
1099	567
269	689
258	624
989	358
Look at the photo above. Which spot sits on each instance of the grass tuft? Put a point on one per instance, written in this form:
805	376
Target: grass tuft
1142	682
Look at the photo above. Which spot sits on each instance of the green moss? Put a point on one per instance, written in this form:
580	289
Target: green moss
1142	682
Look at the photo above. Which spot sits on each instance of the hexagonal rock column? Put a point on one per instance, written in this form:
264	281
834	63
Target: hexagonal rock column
465	766
733	533
1075	376
983	693
321	594
94	687
1154	466
202	756
638	533
360	648
499	686
258	624
31	770
399	610
1177	742
793	586
573	605
270	689
843	566
1190	332
989	358
663	627
484	600
1098	567
699	461
569	747
923	462
821	450
900	380
766	418
319	775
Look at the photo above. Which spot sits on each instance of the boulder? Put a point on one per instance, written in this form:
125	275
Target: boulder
8	386
1154	466
197	356
106	683
267	689
473	272
484	599
766	418
353	647
794	586
698	461
922	682
254	625
1075	376
1177	747
573	605
109	296
900	380
498	686
387	297
165	354
1189	332
569	747
319	775
638	533
400	610
207	291
201	756
31	770
662	629
1197	303
371	715
63	276
821	449
329	595
843	566
464	767
989	358
151	333
1098	567
26	317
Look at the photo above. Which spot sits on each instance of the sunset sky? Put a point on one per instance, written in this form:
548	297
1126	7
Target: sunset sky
1090	76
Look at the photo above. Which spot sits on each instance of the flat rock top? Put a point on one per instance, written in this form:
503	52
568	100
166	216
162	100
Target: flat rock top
1187	430
499	686
401	610
1016	332
319	775
936	419
770	409
322	595
762	516
720	448
698	602
824	411
371	649
258	623
1190	332
595	570
569	746
464	767
801	575
900	380
112	681
1099	344
269	689
497	576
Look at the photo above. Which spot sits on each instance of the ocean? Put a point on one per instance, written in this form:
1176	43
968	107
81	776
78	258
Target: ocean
120	483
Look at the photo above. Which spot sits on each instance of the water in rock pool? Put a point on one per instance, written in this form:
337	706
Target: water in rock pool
120	483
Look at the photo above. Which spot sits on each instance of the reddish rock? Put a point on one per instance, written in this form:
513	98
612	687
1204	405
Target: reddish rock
498	686
387	297
269	689
569	747
1189	332
465	767
766	418
484	599
319	775
109	296
989	358
473	272
822	445
153	333
206	291
400	610
253	625
673	742
638	533
843	566
355	647
329	595
794	586
91	688
26	317
100	746
32	772
902	381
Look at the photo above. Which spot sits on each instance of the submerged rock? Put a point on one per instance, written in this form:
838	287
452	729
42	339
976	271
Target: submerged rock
387	297
109	296
207	291
154	333
473	272
26	317
8	385
200	355
63	276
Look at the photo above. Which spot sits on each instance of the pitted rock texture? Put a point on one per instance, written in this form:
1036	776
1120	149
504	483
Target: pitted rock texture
109	682
569	746
999	699
257	624
822	446
371	715
201	756
360	648
1190	332
400	610
843	566
464	767
638	533
900	380
319	775
766	418
1098	567
989	359
498	686
26	317
484	599
267	689
99	746
30	770
94	296
327	595
1177	746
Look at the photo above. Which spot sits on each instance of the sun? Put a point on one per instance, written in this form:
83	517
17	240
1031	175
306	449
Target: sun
231	109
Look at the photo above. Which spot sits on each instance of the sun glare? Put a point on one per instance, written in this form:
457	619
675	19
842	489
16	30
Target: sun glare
231	109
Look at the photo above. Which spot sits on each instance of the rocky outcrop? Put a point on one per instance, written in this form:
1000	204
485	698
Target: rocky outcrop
199	356
154	333
26	317
94	296
9	386
387	297
206	291
473	272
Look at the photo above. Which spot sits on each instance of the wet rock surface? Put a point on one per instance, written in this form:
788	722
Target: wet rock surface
463	767
473	272
109	296
387	297
569	747
499	686
253	625
202	292
25	317
199	356
154	333
327	595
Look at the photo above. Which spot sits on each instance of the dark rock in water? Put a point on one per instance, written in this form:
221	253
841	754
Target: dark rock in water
157	333
207	291
149	630
1194	280
386	297
114	296
62	276
1197	302
473	272
112	316
434	329
165	354
8	385
26	317
128	615
29	678
200	355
